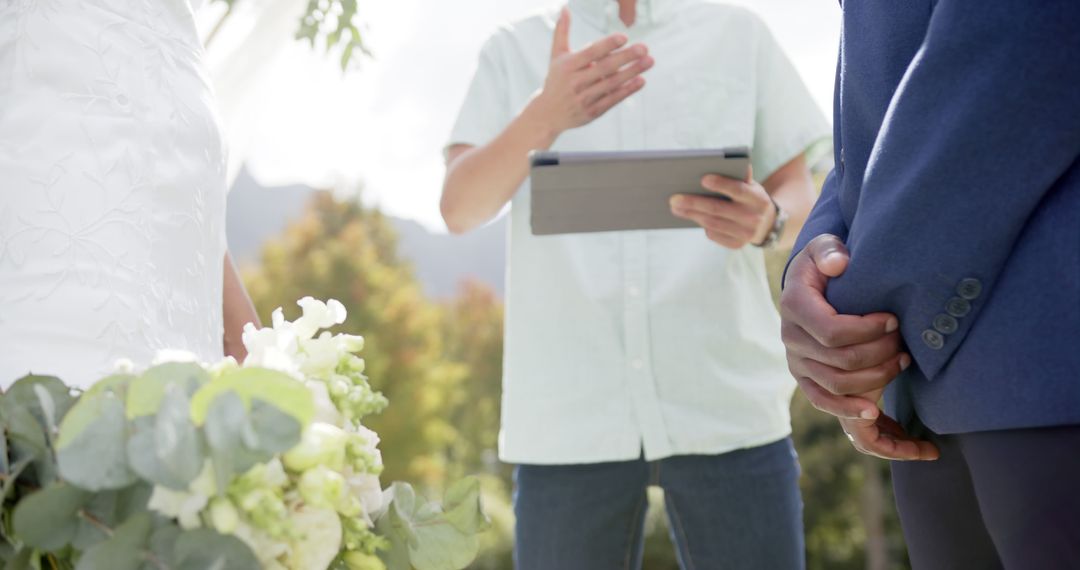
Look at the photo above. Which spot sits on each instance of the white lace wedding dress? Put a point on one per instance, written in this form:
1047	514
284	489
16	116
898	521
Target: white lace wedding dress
112	188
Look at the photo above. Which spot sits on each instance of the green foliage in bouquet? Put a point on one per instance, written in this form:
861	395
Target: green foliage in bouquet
184	466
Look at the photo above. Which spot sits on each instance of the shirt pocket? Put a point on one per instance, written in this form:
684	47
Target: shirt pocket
713	112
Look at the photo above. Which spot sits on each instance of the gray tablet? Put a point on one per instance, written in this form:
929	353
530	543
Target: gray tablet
576	192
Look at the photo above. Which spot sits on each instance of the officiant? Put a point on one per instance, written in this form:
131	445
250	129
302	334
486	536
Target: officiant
647	357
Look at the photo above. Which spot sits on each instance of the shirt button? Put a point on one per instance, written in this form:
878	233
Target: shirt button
637	363
969	289
945	324
958	307
933	339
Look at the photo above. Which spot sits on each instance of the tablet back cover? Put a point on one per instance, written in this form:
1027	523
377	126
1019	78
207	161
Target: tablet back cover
599	192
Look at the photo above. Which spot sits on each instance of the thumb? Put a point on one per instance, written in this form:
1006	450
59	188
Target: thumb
829	254
561	43
749	173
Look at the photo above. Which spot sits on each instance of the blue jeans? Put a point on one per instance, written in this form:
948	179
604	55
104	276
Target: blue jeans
739	510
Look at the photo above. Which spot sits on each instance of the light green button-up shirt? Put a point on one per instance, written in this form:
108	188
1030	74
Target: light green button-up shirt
654	342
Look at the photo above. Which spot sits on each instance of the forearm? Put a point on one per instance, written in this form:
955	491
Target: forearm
795	196
238	310
481	180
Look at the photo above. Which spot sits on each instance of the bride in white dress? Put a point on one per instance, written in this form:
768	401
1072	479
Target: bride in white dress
112	191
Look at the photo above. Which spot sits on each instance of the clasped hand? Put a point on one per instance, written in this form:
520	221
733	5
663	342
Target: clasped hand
844	362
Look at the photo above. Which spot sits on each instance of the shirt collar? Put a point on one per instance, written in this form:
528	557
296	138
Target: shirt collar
604	14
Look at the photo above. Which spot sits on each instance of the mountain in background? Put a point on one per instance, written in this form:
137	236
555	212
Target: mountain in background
442	262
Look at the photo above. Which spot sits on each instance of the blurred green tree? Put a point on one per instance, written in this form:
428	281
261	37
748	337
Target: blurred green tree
347	252
441	366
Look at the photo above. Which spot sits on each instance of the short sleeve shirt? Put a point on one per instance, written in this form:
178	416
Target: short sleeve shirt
653	343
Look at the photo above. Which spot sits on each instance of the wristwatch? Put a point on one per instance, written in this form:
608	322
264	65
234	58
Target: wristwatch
777	228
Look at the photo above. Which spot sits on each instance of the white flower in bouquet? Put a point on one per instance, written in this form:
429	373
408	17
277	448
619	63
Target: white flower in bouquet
274	347
317	316
325	410
319	541
170	355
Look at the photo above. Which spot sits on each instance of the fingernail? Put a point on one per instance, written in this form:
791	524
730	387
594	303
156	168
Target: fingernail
868	414
891	325
640	50
676	201
620	39
905	361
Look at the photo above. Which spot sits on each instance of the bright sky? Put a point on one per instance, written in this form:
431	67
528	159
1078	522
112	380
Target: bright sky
300	121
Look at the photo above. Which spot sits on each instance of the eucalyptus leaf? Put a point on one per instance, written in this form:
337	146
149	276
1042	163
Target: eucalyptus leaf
29	411
133	500
204	549
461	504
48	519
424	531
24	394
146	392
125	549
163	540
8	486
116	384
91	449
5	466
277	388
239	439
27	441
442	547
166	449
48	407
275	430
102	507
224	423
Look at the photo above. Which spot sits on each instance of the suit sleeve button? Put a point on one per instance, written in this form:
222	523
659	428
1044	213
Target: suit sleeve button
958	307
933	339
969	289
945	324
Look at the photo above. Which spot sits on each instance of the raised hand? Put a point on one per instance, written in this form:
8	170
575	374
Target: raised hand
582	86
746	218
843	362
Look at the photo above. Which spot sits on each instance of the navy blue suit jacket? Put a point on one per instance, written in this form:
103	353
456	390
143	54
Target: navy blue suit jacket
957	192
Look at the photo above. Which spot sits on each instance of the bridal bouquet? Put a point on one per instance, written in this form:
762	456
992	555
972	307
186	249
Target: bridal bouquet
187	466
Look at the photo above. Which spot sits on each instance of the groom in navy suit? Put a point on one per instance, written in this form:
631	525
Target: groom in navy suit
942	266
